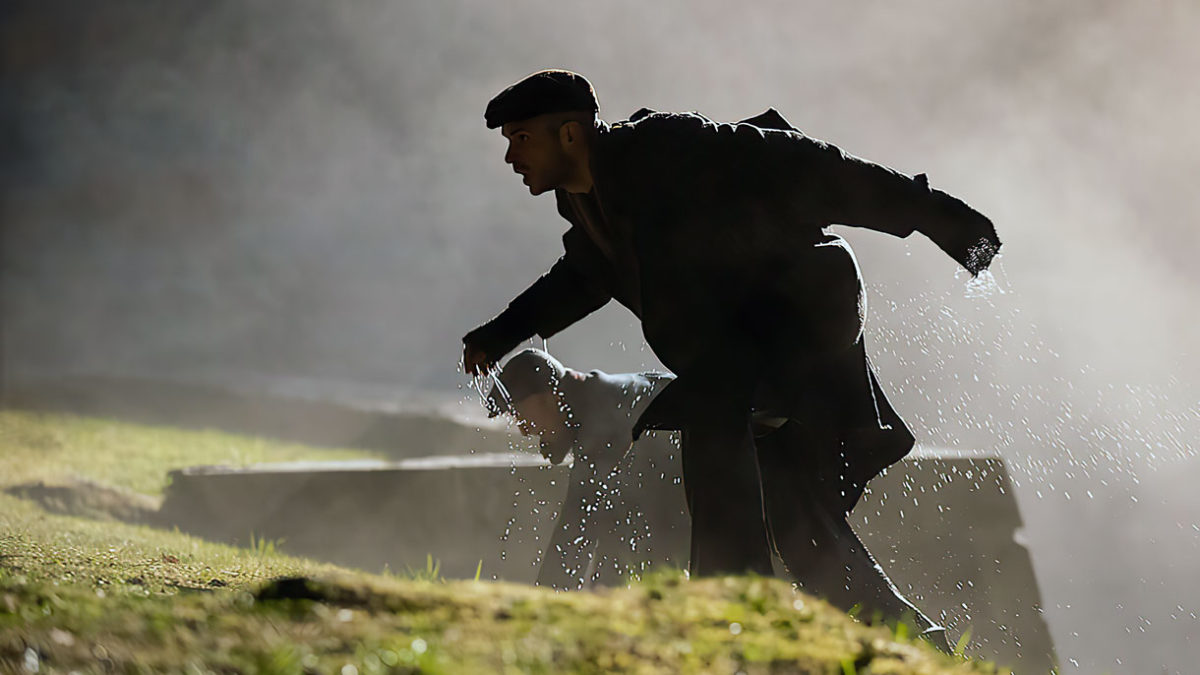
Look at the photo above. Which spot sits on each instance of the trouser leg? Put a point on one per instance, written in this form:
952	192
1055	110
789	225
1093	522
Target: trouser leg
724	495
818	547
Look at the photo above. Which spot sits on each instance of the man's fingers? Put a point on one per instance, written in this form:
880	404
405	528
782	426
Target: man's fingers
475	361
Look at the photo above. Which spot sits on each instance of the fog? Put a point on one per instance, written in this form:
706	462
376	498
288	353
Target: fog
304	194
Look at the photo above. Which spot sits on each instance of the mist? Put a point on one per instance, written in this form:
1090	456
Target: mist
303	195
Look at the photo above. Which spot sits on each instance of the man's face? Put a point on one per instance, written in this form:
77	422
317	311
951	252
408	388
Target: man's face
535	151
542	415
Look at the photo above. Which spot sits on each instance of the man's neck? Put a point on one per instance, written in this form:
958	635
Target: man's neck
581	182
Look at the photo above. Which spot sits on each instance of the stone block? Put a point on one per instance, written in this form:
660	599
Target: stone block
944	525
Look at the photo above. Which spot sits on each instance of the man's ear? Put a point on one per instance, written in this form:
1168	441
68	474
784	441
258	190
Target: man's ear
570	133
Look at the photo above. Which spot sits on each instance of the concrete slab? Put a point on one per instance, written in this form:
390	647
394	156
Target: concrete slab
944	524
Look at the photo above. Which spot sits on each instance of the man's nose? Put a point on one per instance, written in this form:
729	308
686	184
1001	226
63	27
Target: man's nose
508	159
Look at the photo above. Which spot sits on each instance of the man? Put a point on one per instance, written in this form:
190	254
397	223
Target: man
590	415
713	235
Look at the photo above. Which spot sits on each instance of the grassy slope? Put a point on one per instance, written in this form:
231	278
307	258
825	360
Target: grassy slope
78	594
53	448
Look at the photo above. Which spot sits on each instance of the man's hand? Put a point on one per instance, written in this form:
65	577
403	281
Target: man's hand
476	361
484	346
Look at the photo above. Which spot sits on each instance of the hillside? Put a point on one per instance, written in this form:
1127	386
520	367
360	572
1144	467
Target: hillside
91	594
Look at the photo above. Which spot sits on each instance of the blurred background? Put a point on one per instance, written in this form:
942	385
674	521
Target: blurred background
301	198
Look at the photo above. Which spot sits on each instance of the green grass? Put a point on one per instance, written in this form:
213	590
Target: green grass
663	625
103	596
121	559
54	448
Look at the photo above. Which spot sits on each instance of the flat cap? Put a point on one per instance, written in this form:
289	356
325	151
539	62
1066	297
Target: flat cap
546	91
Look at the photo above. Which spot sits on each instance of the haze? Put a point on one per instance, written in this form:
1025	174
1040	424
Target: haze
303	195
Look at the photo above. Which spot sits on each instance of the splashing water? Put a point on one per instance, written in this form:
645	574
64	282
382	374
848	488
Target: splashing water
1101	468
983	285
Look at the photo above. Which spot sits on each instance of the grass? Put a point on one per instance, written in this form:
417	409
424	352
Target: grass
115	558
55	448
102	596
663	625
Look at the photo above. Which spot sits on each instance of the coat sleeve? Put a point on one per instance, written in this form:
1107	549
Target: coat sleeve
566	293
853	191
821	183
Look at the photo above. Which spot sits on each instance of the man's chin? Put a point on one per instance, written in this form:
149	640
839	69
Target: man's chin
534	188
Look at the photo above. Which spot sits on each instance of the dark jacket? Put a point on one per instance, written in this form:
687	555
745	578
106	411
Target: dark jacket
713	235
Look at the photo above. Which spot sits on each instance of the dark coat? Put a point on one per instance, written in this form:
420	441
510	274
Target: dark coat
713	235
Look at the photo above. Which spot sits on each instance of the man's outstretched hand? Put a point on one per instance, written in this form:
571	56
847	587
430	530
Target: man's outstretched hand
484	346
476	361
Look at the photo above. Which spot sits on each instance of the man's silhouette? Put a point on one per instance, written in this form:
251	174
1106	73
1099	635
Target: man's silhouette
713	234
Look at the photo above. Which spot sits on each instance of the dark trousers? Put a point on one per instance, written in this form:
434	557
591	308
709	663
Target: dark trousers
724	496
750	496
